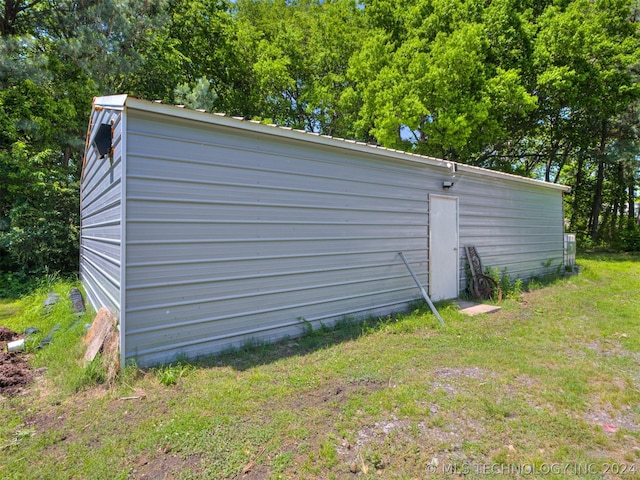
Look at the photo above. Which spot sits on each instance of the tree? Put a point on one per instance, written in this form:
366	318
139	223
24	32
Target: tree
200	96
434	80
55	56
541	88
586	55
299	59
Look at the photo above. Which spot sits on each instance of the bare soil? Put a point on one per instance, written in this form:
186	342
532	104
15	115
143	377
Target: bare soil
15	372
7	335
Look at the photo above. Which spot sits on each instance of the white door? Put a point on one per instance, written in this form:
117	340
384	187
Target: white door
443	247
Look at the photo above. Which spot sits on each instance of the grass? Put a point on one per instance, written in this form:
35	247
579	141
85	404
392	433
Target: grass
549	385
9	308
66	328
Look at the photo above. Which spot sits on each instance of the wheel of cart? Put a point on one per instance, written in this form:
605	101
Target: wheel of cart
482	286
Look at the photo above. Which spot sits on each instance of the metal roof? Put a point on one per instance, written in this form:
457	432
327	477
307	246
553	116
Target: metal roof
120	102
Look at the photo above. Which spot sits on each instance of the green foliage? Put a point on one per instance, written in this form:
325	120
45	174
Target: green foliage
200	96
543	89
55	58
629	239
18	284
510	288
42	233
15	284
306	326
436	85
298	55
94	373
62	357
171	374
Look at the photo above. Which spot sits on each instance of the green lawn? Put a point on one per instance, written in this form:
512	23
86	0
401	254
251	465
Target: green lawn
547	387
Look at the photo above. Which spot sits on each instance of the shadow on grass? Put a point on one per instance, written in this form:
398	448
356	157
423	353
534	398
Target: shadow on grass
254	354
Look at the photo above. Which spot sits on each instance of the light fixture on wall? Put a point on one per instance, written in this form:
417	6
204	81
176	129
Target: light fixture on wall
453	169
102	140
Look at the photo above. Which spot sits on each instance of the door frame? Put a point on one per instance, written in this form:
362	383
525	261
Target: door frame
435	196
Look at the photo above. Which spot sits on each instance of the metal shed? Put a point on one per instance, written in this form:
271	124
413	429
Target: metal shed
201	232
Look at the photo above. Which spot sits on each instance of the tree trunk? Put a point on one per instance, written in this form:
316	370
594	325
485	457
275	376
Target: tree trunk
563	161
553	152
604	232
597	198
613	231
618	221
631	200
577	190
9	15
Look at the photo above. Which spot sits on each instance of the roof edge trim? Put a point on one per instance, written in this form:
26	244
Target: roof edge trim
114	102
120	102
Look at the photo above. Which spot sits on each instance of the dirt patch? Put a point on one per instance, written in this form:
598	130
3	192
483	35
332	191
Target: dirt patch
605	347
398	442
611	421
164	465
453	379
15	373
377	446
7	335
377	432
334	395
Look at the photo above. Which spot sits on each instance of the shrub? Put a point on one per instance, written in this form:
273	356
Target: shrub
511	288
40	230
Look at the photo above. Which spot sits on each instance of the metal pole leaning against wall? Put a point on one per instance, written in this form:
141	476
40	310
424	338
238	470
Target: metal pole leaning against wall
424	293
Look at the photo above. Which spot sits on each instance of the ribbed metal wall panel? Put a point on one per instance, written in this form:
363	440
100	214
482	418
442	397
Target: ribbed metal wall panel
100	213
234	235
514	226
236	231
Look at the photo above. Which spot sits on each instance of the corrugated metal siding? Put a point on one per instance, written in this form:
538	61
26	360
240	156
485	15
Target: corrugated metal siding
100	212
515	226
236	231
233	234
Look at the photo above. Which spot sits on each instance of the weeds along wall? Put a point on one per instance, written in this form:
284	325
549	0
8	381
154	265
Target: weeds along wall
203	232
516	226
